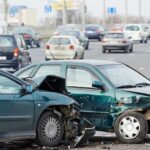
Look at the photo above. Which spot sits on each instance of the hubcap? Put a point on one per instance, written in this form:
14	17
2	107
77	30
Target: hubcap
129	127
50	129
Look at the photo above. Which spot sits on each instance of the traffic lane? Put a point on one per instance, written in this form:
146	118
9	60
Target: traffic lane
139	59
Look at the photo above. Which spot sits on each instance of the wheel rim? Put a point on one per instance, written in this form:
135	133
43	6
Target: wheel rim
129	127
51	129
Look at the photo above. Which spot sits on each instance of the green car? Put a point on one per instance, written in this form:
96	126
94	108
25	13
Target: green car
114	97
28	111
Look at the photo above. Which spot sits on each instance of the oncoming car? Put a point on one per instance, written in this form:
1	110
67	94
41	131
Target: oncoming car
114	97
117	41
29	111
63	47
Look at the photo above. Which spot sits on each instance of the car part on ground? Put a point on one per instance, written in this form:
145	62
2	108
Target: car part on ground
63	47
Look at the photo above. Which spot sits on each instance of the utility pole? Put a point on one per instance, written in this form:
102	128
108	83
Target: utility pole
140	12
64	13
6	14
126	11
104	13
83	14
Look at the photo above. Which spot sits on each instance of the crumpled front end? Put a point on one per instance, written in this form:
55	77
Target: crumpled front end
77	130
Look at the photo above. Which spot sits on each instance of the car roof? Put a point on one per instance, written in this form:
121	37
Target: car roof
61	36
85	61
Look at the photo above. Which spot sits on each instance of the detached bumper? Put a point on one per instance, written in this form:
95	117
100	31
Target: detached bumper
87	133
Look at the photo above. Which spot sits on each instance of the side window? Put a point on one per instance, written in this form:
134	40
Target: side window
26	73
8	86
77	77
48	70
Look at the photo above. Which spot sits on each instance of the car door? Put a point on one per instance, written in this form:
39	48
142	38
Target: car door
96	104
16	108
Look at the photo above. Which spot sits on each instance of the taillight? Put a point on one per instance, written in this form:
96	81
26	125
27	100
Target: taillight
26	36
48	47
16	52
71	47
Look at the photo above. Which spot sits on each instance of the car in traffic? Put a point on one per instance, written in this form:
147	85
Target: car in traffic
29	34
114	97
13	52
63	47
29	111
137	31
79	35
117	41
93	31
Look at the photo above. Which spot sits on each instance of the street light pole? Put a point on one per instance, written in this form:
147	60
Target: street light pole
104	13
126	11
5	14
83	14
64	13
140	12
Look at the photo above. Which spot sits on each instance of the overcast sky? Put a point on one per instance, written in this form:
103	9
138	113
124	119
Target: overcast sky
95	6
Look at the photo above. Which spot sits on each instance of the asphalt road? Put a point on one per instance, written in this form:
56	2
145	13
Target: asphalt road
139	59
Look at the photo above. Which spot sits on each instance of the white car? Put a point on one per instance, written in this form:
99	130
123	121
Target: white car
137	32
63	47
117	41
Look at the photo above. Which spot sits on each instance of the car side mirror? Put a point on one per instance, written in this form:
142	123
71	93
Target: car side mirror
98	84
27	89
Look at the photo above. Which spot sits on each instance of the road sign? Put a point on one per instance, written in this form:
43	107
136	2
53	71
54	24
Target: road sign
112	10
47	9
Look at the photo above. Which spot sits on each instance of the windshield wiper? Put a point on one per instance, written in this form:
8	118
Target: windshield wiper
142	84
126	86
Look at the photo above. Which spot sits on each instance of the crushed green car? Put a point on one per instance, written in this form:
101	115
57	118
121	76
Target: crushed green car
114	97
27	111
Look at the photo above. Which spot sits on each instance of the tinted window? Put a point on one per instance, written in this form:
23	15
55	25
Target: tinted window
132	28
48	70
58	41
7	86
77	77
71	33
6	41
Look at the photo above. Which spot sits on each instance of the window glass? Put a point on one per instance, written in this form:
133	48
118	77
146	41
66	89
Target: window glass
114	35
8	86
132	28
26	73
6	41
48	70
77	77
58	41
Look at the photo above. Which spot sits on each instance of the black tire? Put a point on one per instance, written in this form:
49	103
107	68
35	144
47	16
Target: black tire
145	41
133	117
103	49
43	139
99	39
131	49
76	56
126	50
38	44
87	46
46	59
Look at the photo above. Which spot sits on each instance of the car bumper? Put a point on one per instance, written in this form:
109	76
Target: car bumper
9	64
93	36
116	47
60	55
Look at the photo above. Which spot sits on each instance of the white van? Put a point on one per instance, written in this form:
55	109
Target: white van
137	32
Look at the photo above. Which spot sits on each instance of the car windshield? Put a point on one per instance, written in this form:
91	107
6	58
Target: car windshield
58	41
24	30
121	75
132	28
114	35
71	33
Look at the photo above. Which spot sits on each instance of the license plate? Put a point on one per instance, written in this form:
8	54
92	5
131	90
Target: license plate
59	48
114	42
90	32
2	57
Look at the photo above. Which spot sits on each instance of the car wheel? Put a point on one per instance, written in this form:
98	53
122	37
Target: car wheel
82	56
103	49
76	56
131	127
46	59
99	39
50	130
131	49
145	41
38	45
87	46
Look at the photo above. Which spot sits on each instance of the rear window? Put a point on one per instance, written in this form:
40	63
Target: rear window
114	35
132	28
71	33
6	41
57	41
